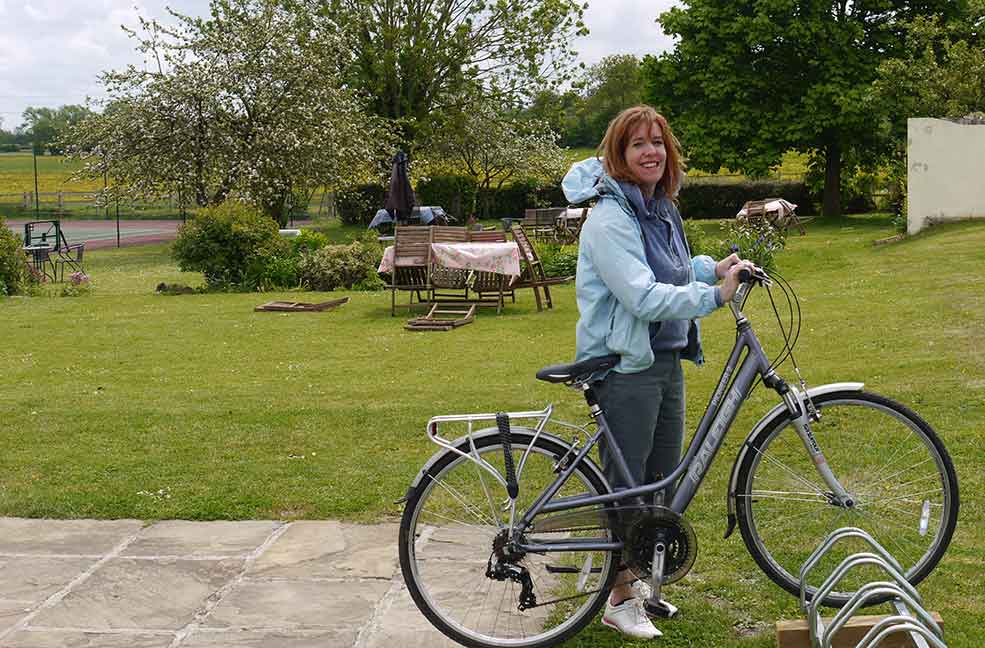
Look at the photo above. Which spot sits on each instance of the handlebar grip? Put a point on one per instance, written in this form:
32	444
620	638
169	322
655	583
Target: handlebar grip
744	275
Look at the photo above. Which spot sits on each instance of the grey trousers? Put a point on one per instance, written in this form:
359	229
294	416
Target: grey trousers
645	412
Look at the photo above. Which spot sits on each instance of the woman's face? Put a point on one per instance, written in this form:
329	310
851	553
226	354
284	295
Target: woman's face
646	155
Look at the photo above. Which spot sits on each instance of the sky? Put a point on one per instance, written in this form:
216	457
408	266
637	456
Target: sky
52	51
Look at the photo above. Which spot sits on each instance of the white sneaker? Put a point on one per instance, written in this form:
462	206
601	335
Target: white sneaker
643	590
628	618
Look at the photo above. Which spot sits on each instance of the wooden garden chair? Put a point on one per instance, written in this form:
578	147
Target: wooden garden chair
756	209
532	273
448	284
411	265
542	223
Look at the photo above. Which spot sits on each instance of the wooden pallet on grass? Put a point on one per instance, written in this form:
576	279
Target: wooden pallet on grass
300	307
432	323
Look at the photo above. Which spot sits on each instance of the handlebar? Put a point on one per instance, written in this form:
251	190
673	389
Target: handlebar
758	275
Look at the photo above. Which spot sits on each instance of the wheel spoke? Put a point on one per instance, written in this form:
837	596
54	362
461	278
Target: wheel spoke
817	489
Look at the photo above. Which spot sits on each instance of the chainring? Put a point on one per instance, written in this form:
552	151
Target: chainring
641	533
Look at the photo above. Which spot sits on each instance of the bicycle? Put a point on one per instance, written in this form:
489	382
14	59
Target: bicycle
511	535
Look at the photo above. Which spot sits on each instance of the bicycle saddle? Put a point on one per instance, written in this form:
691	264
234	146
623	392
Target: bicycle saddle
577	371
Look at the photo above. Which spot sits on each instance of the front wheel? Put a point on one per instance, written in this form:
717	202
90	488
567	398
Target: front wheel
901	480
454	530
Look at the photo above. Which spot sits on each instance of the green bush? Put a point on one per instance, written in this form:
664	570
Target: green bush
232	245
351	267
558	260
702	200
308	241
14	276
358	205
273	271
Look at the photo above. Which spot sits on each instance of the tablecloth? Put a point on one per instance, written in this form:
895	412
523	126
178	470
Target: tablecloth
501	258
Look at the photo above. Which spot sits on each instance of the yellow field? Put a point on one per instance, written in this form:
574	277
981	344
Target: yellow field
17	174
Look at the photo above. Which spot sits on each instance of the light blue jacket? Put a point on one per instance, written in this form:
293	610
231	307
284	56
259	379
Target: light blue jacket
617	294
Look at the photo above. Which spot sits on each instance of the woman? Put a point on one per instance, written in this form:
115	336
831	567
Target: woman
639	292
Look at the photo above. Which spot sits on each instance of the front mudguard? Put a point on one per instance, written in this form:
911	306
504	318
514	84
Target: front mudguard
768	420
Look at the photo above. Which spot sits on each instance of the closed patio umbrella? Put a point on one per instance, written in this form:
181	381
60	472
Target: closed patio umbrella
400	199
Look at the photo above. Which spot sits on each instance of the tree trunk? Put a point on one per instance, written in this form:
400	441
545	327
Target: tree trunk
831	202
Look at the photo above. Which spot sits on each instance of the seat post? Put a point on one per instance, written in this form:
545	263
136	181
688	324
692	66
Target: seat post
591	399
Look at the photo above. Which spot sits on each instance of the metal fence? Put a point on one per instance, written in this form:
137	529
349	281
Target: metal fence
84	204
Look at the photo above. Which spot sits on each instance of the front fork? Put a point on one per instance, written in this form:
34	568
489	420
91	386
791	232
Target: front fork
803	413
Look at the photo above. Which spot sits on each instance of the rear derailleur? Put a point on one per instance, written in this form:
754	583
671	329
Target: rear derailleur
505	568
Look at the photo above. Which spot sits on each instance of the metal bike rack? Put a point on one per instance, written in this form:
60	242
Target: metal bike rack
911	615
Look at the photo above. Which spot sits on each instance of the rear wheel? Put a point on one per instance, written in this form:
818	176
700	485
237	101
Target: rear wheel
901	480
454	527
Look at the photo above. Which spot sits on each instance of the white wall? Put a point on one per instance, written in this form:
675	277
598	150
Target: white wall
945	172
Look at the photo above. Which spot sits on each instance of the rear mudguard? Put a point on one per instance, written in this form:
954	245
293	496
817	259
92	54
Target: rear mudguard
765	422
462	443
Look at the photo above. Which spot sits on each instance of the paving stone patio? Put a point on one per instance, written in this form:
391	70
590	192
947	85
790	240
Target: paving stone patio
258	584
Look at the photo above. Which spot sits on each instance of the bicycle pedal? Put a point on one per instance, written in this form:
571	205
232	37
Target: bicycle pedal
659	609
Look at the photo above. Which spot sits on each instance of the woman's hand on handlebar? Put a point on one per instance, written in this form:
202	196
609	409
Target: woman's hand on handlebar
731	283
722	267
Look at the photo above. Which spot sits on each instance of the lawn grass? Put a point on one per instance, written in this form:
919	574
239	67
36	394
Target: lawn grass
124	403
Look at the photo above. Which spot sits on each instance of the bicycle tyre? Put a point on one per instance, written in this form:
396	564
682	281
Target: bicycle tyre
430	596
850	423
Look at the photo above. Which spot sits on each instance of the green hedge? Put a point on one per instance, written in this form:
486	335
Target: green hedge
453	193
702	200
698	199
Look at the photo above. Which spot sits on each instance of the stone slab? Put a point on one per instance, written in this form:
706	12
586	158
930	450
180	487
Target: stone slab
402	624
80	537
331	550
200	539
33	579
150	595
291	605
59	639
271	639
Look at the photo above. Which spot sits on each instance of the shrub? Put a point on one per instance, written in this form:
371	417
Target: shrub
273	271
352	266
14	276
308	241
231	244
558	260
701	200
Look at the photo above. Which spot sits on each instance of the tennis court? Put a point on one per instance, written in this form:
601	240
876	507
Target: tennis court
103	233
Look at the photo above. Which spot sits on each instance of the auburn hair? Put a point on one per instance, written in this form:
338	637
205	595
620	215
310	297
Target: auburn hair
612	150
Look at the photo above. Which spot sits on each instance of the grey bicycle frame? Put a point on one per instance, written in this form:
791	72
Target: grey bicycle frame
733	387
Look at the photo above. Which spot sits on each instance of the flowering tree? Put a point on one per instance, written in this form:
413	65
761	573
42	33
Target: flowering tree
247	102
495	146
